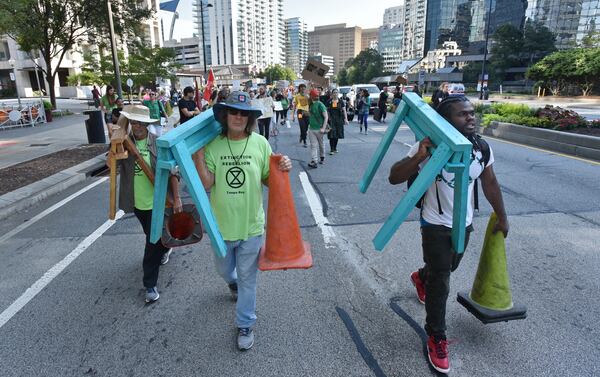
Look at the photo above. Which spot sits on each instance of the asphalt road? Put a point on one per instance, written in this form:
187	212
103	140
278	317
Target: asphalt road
353	314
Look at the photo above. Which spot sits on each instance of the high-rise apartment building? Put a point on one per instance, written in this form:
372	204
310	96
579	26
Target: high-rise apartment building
413	42
390	45
369	38
336	40
245	32
296	44
393	15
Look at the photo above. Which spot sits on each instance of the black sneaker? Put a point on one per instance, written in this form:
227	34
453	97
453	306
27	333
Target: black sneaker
312	164
322	161
233	288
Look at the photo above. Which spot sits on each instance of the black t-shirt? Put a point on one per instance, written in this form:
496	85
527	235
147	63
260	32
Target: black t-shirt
185	104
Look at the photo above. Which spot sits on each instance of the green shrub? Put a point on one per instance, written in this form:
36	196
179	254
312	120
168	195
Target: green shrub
506	109
47	105
489	118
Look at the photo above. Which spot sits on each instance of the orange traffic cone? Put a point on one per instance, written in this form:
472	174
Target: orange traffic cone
284	247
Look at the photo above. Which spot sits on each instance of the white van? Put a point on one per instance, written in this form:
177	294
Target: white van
373	92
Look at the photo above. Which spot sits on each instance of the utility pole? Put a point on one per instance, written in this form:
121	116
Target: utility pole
113	46
487	37
203	43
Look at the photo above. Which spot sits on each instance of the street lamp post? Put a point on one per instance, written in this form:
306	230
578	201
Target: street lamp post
487	37
113	46
12	65
37	78
208	5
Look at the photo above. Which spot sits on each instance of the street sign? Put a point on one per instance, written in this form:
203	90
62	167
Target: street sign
12	76
129	83
14	115
422	77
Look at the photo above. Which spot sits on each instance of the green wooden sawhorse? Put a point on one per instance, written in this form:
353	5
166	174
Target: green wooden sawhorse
452	152
175	148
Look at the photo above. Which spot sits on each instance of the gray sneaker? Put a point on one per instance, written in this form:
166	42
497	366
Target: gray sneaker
165	257
152	294
233	288
245	339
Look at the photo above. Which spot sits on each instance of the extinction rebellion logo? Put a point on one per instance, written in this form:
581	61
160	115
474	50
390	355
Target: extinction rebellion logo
235	177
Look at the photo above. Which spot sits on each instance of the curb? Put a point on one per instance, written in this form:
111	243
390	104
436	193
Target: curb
35	192
557	141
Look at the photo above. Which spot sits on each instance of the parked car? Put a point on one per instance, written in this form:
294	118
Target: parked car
455	89
373	93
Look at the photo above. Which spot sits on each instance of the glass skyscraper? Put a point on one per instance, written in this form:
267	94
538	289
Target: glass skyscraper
465	21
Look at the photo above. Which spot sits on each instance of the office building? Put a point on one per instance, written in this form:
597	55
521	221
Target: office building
296	44
187	50
393	15
246	32
339	41
589	22
200	13
390	46
369	38
436	59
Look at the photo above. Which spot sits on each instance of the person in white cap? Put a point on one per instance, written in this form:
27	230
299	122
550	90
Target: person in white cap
234	166
136	192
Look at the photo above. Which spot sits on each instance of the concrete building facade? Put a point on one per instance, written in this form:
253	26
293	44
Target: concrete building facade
339	41
188	50
369	38
393	15
414	20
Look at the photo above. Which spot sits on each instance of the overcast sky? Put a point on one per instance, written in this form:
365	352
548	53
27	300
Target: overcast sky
363	13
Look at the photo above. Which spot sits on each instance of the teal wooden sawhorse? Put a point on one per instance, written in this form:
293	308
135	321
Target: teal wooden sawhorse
175	148
452	152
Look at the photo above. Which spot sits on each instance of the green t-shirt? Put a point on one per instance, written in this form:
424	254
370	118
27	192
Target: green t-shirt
106	103
154	108
316	119
236	197
143	190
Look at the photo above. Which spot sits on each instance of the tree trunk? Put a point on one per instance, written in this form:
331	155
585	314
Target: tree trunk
51	92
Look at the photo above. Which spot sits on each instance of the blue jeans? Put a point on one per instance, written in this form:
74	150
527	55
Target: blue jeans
240	266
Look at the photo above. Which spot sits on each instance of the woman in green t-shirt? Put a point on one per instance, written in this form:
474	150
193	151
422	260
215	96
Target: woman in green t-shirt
108	102
234	166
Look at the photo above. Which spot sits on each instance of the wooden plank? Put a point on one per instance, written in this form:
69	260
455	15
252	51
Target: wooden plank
416	191
112	205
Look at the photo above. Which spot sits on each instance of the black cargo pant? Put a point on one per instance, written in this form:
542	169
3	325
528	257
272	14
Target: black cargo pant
153	252
303	123
440	259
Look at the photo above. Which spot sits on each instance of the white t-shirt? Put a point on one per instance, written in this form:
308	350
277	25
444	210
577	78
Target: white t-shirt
445	186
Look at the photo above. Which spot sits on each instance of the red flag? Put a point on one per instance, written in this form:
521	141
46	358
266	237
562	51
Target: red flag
209	85
197	95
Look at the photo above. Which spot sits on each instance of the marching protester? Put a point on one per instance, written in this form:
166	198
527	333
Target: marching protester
285	105
187	106
364	104
300	107
432	282
136	193
382	104
336	108
237	202
439	95
156	111
265	103
108	102
318	120
96	96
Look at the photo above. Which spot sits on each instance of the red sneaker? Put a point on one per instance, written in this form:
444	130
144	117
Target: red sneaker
437	351
416	280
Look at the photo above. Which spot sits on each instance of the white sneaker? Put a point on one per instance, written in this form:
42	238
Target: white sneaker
165	257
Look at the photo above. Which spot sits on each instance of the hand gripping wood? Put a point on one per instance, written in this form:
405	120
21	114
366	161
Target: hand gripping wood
175	148
452	152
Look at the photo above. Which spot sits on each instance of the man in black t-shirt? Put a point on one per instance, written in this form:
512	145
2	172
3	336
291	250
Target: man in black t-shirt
187	106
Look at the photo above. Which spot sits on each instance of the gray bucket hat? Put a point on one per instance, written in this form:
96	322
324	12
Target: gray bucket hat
236	100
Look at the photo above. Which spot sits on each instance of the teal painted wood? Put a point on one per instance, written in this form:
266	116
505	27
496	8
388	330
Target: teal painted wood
176	148
383	147
417	189
451	151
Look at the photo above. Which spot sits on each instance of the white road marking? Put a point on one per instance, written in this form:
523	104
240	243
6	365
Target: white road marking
53	272
48	211
317	209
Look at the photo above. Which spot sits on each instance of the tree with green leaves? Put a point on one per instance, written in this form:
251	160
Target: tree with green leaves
342	77
277	72
592	38
364	67
54	27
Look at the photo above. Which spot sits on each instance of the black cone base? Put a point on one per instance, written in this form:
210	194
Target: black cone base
486	315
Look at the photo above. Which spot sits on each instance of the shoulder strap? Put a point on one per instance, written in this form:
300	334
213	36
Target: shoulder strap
484	147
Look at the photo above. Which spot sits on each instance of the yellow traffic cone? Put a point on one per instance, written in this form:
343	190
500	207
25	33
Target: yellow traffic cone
491	299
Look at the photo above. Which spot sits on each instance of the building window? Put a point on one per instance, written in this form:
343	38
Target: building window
4	51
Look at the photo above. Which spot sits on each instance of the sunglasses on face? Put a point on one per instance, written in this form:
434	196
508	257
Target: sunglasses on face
243	113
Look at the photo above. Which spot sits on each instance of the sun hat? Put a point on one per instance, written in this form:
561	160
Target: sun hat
138	113
236	100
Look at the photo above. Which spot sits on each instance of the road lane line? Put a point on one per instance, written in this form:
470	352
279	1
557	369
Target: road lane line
544	150
317	210
53	272
48	211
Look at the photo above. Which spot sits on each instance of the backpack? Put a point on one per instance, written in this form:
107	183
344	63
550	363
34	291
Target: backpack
478	144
